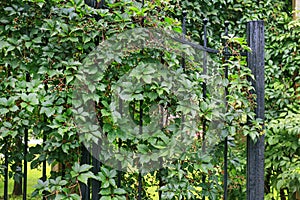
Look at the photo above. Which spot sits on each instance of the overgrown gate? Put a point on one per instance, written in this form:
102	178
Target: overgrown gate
255	150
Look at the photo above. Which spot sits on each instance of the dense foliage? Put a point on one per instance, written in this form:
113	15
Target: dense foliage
282	93
44	43
282	79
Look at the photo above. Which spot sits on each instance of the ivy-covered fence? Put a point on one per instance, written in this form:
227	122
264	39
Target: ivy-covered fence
45	45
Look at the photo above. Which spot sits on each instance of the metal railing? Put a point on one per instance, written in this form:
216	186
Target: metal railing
255	151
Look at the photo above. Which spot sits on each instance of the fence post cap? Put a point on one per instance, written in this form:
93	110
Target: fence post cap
226	23
258	21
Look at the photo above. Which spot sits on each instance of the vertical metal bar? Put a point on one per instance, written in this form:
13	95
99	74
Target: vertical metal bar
6	157
96	168
44	169
25	152
6	172
225	178
183	26
255	150
184	13
140	178
140	186
96	149
160	183
205	21
25	164
159	173
85	159
119	178
63	169
143	18
204	88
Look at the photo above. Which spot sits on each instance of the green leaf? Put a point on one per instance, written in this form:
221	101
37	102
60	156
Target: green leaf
75	196
49	111
85	176
147	78
143	148
279	184
3	111
69	79
119	191
7	124
76	168
63	182
105	192
112	182
105	198
105	184
101	177
84	168
3	101
14	108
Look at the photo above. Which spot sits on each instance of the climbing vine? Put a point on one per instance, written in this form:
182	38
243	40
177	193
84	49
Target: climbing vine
44	45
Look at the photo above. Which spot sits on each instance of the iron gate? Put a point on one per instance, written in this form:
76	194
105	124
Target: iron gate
255	151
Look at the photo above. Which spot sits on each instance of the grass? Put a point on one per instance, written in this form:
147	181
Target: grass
32	177
35	174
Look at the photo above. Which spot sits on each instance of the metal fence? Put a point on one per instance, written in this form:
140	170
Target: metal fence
255	151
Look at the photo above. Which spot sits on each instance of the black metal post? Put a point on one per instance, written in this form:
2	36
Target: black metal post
255	151
140	186
85	159
119	176
6	157
96	168
184	13
95	4
25	164
6	172
44	169
225	179
140	178
159	172
25	152
204	88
